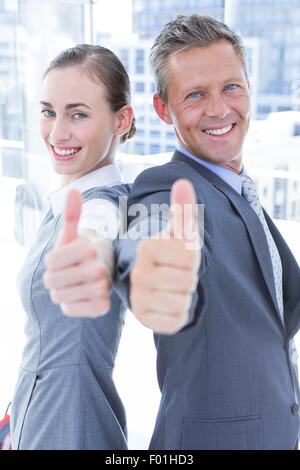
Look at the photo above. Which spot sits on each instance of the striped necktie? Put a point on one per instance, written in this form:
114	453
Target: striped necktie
249	192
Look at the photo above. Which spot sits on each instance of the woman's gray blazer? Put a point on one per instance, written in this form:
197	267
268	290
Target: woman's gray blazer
65	397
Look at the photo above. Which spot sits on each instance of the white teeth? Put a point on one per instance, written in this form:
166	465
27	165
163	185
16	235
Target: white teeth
219	131
65	152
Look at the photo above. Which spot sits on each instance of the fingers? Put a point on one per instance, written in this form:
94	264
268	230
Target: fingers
81	291
162	323
165	252
75	252
87	308
162	302
83	273
93	290
160	297
164	278
71	217
75	275
157	303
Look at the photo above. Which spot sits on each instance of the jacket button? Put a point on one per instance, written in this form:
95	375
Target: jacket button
295	408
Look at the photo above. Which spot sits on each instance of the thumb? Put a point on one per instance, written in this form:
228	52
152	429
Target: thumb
71	217
183	211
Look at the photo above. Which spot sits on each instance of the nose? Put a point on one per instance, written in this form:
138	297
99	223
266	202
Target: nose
60	131
217	106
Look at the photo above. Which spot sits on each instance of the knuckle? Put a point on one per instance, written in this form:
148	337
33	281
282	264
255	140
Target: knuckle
93	289
190	258
100	271
181	304
105	286
176	323
173	326
50	259
139	314
132	298
52	296
66	309
95	271
186	303
45	279
136	274
47	259
190	281
98	289
48	279
103	306
162	297
133	273
144	248
95	314
170	326
89	251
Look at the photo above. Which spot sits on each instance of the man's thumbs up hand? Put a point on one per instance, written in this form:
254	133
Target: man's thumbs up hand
75	274
165	274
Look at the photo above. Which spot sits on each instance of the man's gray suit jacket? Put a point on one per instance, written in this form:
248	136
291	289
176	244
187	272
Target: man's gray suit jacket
226	378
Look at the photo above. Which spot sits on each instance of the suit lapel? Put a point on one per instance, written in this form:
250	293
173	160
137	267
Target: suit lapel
253	225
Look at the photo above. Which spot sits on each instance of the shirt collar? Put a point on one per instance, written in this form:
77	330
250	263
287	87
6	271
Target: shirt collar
227	175
108	175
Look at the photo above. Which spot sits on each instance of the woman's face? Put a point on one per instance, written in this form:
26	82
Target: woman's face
77	125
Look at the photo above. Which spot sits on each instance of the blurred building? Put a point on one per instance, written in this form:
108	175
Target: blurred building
152	135
54	26
271	154
274	24
149	17
11	126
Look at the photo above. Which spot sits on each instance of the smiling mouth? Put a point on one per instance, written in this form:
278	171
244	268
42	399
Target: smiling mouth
64	154
222	131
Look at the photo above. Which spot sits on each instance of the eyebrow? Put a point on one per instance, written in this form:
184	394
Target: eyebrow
230	79
202	87
233	79
68	106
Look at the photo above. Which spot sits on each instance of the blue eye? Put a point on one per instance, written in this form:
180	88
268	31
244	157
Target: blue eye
47	112
231	87
194	95
79	116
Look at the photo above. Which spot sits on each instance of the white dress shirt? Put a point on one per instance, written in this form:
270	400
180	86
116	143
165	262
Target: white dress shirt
93	210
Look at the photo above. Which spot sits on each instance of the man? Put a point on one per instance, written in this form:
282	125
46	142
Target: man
224	343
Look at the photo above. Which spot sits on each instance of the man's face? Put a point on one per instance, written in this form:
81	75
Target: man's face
208	103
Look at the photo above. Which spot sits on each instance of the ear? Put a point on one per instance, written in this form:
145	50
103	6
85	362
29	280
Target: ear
161	109
124	120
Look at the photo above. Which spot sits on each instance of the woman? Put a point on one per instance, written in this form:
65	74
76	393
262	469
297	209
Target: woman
65	397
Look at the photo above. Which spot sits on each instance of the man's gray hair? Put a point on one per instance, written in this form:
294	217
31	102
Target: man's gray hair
183	33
